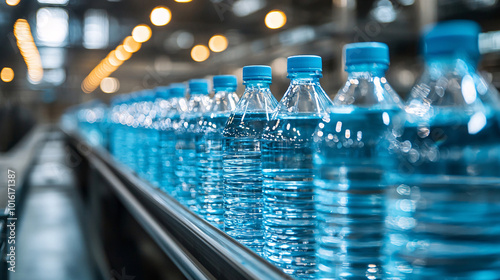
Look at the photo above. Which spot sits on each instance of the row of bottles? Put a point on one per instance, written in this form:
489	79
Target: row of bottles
364	186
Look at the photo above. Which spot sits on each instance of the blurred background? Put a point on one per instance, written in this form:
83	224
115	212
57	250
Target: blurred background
55	54
58	53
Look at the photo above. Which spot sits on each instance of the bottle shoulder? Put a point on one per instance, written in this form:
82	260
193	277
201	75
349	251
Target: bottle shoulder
303	99
368	92
256	100
447	92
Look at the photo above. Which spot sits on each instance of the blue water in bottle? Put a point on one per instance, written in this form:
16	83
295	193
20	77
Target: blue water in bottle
92	122
209	150
443	211
242	168
118	117
287	167
186	136
144	127
156	114
352	161
175	107
114	118
130	120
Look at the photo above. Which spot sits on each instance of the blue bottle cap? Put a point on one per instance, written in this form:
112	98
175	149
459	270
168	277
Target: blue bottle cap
225	81
452	36
163	92
366	53
199	86
257	72
304	63
177	90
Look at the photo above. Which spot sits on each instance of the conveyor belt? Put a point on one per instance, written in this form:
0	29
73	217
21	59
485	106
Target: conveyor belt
198	249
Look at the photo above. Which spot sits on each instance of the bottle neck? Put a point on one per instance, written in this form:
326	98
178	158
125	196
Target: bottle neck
224	89
304	77
197	95
451	62
257	84
365	71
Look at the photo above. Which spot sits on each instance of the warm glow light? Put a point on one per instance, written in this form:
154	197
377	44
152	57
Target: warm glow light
7	74
99	76
121	53
217	43
275	19
12	2
28	50
160	16
183	1
200	53
141	33
110	85
113	60
130	45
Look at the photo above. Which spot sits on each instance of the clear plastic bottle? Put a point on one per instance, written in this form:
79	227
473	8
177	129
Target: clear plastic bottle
92	118
209	150
114	104
352	162
144	126
242	167
168	124
130	131
186	135
444	211
119	127
287	168
117	140
159	108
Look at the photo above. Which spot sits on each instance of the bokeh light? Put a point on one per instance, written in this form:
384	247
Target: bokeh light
141	33
217	43
160	16
200	53
110	85
275	19
7	74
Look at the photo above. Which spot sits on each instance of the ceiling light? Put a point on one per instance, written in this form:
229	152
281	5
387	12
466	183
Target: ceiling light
130	45
217	43
121	53
160	16
7	74
275	19
12	2
110	85
141	33
200	53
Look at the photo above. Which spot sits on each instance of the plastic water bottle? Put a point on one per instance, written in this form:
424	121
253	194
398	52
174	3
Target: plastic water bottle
352	161
157	112
186	136
144	126
92	118
130	133
287	167
444	211
209	150
242	168
168	124
115	129
118	113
